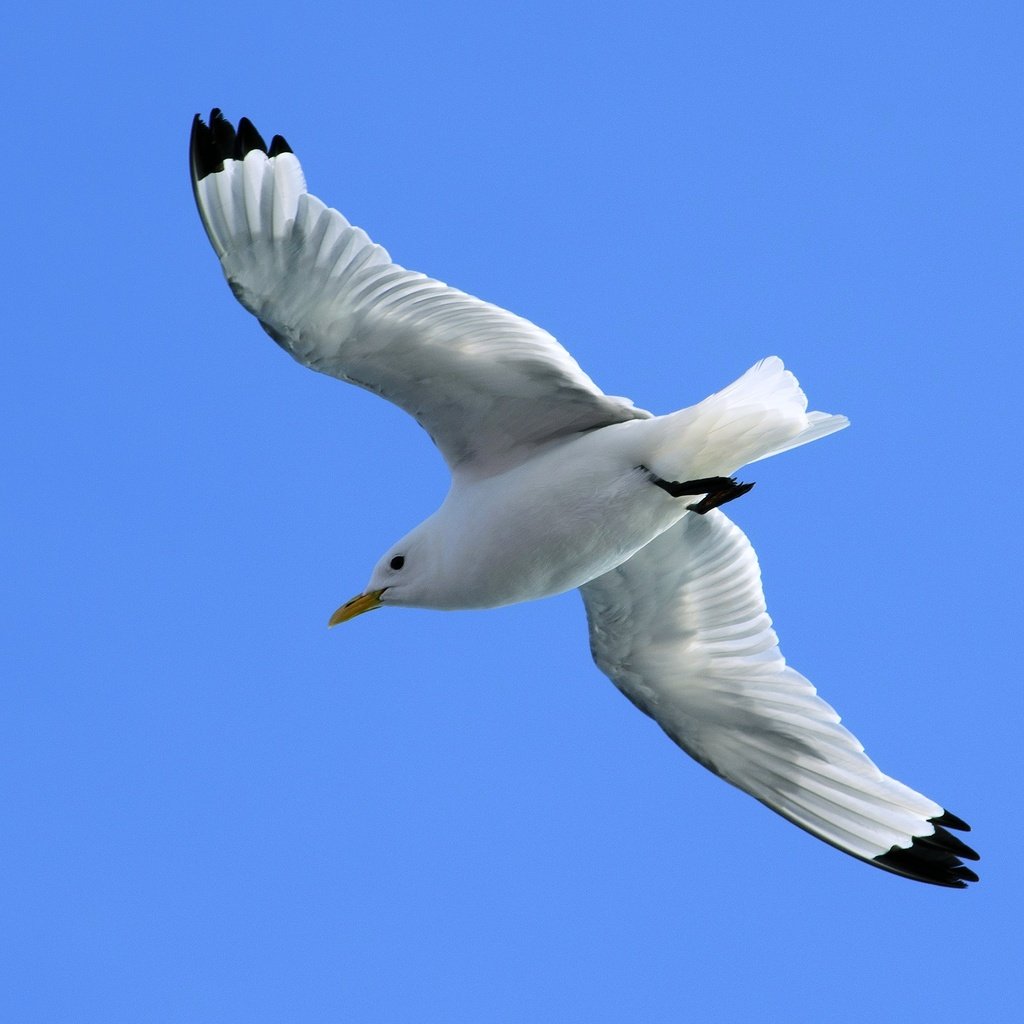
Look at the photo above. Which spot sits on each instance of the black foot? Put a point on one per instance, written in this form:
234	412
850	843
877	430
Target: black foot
717	490
733	489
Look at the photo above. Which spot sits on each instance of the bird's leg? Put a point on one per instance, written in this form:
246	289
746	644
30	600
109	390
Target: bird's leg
731	490
717	490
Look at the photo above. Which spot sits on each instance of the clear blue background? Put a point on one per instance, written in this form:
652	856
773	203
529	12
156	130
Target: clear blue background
215	810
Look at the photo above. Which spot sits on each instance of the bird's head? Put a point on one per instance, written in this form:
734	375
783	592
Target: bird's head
406	574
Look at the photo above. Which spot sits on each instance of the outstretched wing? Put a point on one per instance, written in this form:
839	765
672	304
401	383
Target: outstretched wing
487	385
681	628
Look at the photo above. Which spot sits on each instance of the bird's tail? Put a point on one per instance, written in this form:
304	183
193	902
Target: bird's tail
762	413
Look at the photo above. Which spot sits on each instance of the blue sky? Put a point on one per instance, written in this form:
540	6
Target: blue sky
216	810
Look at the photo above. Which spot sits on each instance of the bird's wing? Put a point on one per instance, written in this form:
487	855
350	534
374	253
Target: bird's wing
681	628
488	386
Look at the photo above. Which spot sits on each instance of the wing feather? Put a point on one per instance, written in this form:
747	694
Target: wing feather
487	385
682	629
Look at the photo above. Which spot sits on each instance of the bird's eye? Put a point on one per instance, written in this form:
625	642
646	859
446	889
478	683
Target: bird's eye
397	562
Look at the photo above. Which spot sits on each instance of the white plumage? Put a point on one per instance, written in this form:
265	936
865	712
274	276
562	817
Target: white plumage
556	485
682	629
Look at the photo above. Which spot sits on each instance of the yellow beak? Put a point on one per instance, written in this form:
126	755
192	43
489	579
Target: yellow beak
359	604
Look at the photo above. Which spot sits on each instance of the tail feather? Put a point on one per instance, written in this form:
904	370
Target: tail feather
819	424
762	413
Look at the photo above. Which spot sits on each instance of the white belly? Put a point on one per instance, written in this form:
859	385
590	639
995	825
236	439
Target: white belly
551	525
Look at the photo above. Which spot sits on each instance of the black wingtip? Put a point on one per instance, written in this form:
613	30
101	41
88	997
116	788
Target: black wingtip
279	146
951	821
944	840
935	858
247	139
213	143
203	152
223	132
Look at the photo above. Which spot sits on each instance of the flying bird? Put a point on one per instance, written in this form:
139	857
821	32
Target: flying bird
556	485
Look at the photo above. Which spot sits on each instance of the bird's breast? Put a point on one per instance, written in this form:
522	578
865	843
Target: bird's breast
548	526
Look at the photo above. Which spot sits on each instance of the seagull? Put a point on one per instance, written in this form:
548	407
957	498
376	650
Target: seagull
556	485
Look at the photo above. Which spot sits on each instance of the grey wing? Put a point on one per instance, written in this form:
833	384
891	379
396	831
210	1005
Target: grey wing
488	386
682	629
